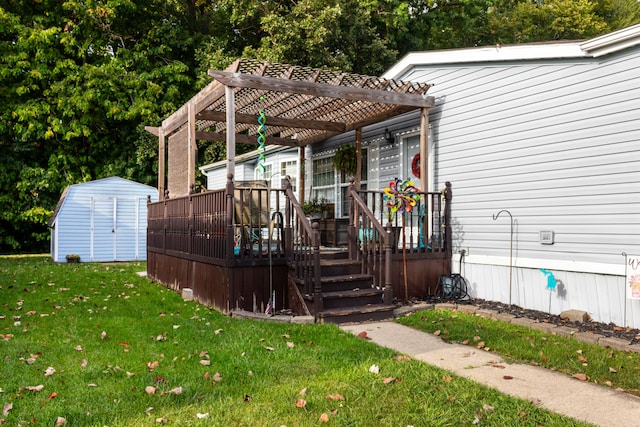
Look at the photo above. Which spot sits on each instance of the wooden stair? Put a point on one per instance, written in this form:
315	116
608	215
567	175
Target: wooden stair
348	296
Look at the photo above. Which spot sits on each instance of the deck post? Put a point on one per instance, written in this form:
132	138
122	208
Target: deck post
317	284
351	229
231	129
162	156
387	296
229	220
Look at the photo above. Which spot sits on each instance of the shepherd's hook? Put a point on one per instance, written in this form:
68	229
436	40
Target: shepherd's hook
495	217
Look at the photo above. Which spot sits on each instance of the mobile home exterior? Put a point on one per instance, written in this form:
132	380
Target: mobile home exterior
542	145
103	220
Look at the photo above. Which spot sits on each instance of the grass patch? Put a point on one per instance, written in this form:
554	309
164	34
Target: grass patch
604	366
112	337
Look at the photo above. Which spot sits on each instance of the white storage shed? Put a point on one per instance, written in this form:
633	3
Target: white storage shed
103	220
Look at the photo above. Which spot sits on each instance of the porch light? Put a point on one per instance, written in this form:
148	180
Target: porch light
388	136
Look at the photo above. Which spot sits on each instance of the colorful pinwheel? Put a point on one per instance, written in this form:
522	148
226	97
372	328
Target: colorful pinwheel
401	196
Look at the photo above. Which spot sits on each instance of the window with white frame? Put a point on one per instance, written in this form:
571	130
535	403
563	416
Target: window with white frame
263	174
345	181
289	168
324	179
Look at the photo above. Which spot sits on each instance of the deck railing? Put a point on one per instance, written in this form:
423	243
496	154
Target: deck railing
369	242
220	226
303	248
423	229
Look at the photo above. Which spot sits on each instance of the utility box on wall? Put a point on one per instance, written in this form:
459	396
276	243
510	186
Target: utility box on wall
103	220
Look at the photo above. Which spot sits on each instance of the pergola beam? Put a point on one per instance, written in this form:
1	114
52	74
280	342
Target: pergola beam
321	89
276	121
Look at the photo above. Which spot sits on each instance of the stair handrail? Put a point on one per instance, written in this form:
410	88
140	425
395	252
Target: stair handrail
303	247
371	264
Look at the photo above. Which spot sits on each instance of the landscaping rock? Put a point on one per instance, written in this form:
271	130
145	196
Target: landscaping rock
187	294
575	316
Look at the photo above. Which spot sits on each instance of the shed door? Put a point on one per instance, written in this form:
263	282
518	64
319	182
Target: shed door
103	214
114	229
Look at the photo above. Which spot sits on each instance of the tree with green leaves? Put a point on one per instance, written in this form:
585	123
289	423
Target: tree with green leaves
79	79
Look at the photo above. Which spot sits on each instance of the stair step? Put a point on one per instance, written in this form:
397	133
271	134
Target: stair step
351	298
369	313
326	254
330	267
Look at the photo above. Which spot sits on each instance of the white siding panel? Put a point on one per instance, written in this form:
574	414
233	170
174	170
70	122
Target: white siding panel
602	296
557	143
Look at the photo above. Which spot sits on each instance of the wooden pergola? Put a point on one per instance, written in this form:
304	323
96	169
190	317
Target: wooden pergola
302	106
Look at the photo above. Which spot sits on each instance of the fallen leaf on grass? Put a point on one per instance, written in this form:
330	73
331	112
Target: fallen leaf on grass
580	377
452	399
84	362
177	390
103	335
481	344
324	418
60	421
205	362
6	337
301	403
613	370
290	344
437	333
336	396
162	420
6	409
78	348
269	348
153	365
582	359
303	392
488	408
217	377
374	369
92	385
402	358
447	378
49	371
388	380
150	389
202	416
53	395
217	331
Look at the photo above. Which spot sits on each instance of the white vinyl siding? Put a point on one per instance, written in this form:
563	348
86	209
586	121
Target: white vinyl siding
555	141
554	144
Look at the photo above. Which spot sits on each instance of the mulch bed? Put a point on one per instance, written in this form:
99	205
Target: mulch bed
607	330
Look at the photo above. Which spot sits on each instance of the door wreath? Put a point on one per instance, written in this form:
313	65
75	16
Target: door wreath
415	165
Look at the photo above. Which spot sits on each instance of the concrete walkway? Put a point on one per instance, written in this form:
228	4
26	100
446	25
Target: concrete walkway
551	390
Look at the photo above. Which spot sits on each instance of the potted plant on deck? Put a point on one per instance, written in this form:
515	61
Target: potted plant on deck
315	209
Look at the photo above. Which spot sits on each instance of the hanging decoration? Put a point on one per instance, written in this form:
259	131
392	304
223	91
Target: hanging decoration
415	165
262	137
401	196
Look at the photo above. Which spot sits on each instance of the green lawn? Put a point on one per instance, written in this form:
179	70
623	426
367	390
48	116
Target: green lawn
97	345
601	365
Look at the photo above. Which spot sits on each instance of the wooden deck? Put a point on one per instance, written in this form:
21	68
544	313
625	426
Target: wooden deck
239	247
